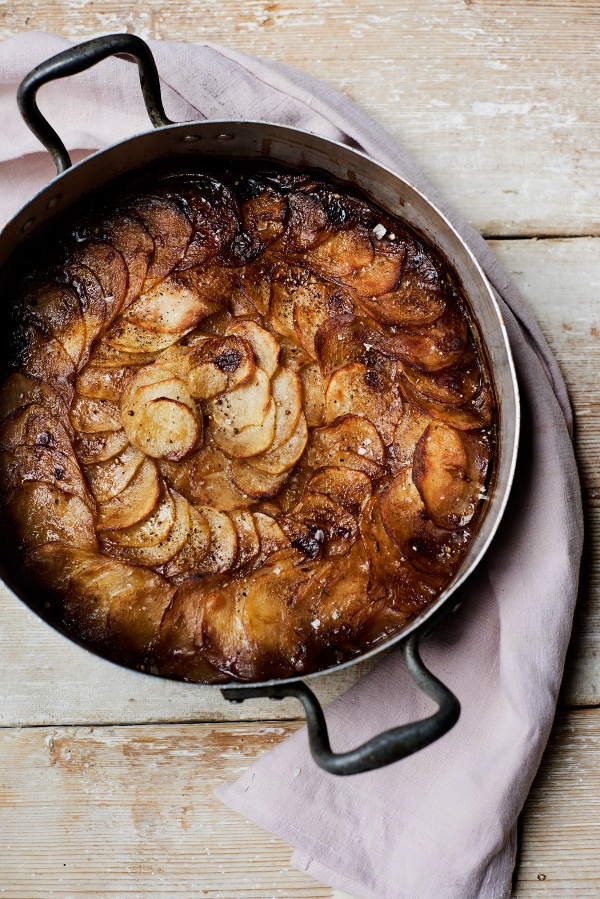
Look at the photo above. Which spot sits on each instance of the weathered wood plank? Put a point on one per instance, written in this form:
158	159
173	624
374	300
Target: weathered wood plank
45	680
108	812
560	851
478	92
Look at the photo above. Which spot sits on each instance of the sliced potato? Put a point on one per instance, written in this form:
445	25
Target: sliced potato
177	474
313	389
92	416
124	335
142	393
408	432
45	465
281	303
284	457
453	386
475	414
449	470
251	441
286	389
92	448
215	284
223	542
42	513
150	531
422	543
170	307
264	346
244	406
350	489
358	390
263	218
103	383
135	503
210	365
314	303
434	346
135	244
319	525
192	554
143	377
293	488
20	390
344	611
248	539
211	481
341	255
212	209
109	267
306	224
46	359
108	479
344	339
219	364
415	301
158	554
159	415
170	230
101	597
253	482
256	283
166	429
392	578
292	355
382	274
348	434
106	356
272	537
34	425
416	298
54	308
91	299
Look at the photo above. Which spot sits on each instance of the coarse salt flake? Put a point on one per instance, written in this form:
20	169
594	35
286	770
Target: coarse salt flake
379	231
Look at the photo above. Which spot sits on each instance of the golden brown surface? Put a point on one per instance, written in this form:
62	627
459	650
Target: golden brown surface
249	431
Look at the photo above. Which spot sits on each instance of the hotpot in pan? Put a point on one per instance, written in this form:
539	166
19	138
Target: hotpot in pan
246	140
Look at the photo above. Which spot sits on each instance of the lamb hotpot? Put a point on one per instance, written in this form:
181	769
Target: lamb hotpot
292	147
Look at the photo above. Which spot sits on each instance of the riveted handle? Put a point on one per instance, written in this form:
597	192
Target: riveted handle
78	59
383	749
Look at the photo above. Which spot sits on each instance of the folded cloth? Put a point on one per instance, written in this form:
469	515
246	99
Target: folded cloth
441	824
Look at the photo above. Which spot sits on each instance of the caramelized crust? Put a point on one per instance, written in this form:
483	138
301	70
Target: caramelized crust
248	428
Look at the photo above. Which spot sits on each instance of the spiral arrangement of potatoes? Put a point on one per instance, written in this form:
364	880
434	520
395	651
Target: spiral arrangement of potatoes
247	431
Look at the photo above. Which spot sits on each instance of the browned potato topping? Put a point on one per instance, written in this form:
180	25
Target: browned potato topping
248	429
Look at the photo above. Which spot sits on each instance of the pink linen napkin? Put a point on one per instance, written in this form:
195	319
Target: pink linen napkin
441	824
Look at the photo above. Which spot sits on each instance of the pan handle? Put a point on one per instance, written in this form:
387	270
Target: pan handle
383	749
78	59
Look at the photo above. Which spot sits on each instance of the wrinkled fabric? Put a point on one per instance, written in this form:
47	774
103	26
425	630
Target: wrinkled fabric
442	823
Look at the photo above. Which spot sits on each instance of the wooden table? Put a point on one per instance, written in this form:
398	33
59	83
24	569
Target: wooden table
106	778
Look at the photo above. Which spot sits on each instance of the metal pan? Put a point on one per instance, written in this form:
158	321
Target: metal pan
289	146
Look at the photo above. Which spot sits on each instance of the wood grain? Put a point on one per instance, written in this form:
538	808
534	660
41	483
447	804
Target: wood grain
46	680
114	811
497	101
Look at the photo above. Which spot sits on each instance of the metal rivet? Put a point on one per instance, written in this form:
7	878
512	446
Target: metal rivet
224	137
190	138
54	201
28	224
